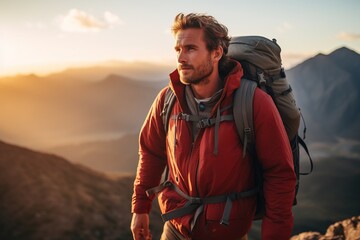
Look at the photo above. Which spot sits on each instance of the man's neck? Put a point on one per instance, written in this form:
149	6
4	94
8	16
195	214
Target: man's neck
206	89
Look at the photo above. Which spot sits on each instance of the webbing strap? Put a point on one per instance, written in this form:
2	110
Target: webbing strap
201	122
303	144
216	133
197	213
243	110
186	117
168	104
159	188
207	122
188	208
196	204
226	213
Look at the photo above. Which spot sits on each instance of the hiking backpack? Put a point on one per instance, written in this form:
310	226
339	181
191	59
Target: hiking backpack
261	62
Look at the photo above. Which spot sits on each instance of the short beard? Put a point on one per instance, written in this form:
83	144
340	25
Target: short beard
200	76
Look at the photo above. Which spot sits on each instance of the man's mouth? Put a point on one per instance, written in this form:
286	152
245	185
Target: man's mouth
182	67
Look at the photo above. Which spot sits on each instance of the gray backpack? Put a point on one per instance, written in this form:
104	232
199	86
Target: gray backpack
261	61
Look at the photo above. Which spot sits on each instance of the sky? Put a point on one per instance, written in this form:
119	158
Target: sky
41	36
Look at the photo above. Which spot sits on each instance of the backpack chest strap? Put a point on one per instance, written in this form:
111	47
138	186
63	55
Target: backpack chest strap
201	122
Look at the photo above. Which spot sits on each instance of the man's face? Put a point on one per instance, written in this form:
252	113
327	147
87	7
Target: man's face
194	60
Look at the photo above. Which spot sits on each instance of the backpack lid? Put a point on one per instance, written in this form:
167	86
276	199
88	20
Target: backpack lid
259	51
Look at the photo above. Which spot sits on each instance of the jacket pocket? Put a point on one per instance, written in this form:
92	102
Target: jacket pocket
209	227
241	209
170	200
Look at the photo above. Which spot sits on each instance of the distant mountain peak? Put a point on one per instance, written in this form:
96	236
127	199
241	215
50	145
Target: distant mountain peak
342	57
343	51
327	87
319	55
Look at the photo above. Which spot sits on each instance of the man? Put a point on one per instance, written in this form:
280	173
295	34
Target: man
206	164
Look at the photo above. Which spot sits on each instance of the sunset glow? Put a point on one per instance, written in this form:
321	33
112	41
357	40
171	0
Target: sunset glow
42	37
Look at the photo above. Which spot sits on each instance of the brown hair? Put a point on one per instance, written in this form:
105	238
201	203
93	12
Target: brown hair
215	33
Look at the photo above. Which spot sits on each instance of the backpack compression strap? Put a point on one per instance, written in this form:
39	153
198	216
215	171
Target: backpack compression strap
303	144
243	114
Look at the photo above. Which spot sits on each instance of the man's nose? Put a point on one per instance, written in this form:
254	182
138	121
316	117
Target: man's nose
181	57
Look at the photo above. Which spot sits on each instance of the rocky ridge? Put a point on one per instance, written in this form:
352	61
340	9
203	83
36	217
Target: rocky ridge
348	229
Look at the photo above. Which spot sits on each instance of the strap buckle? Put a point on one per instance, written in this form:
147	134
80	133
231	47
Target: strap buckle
183	116
262	79
247	131
204	123
195	200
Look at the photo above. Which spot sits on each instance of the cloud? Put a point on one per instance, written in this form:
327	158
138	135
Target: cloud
285	26
348	36
111	18
79	21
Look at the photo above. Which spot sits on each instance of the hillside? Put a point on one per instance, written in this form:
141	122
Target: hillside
113	155
43	196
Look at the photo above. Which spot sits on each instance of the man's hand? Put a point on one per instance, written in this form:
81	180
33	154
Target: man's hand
140	226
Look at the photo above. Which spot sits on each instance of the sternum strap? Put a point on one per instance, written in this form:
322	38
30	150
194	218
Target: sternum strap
201	122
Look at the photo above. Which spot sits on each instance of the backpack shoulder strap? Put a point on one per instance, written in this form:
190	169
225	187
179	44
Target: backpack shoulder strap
244	121
243	114
169	101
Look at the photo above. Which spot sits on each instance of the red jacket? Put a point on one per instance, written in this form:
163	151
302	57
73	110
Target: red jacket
198	172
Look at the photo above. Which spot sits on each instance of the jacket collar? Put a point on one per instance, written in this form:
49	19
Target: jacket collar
231	83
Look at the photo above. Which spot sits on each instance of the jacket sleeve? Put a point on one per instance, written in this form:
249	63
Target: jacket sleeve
152	156
275	155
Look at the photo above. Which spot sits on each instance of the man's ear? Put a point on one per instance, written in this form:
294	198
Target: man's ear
218	53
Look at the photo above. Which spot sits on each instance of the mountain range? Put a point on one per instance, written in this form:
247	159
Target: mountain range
43	112
91	118
327	89
93	115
